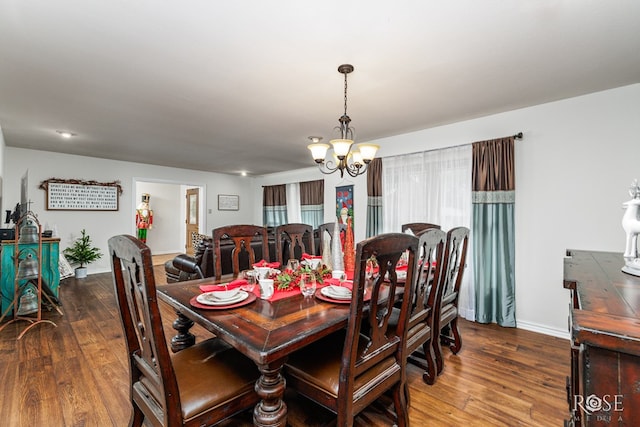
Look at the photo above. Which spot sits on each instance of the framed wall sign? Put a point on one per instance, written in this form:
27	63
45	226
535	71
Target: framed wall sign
228	202
76	195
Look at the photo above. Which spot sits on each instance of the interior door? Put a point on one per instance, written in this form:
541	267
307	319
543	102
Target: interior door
193	219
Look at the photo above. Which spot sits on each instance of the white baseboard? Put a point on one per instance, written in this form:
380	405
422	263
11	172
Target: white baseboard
543	329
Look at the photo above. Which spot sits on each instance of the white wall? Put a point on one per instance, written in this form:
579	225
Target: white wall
165	200
2	148
102	225
573	169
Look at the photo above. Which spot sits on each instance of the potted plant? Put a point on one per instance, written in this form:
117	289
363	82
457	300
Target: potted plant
82	252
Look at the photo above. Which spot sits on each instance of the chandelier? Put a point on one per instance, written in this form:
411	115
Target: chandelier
345	158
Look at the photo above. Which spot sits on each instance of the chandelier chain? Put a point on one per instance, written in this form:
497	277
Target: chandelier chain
345	94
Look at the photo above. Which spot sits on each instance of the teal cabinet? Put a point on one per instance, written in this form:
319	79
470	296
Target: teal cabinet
49	267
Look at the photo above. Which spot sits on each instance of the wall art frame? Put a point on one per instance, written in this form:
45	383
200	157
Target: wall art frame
80	195
228	202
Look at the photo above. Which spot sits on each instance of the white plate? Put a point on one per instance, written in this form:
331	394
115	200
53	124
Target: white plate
329	294
223	295
208	299
340	290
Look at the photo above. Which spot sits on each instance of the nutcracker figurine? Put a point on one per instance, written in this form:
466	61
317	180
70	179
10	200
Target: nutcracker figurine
144	218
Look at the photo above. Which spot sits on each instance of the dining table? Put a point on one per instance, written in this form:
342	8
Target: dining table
264	330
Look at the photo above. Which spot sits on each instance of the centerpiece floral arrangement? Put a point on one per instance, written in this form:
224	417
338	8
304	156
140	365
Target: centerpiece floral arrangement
288	278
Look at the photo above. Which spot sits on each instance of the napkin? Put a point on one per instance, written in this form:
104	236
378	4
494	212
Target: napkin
231	285
307	256
263	263
331	281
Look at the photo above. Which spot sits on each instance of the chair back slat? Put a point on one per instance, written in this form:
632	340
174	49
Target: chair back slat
293	240
382	342
327	228
454	262
241	236
426	288
418	227
135	288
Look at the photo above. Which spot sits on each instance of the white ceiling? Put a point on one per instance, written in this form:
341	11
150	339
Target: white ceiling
240	85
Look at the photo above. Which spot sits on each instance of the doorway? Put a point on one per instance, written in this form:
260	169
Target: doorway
168	201
193	218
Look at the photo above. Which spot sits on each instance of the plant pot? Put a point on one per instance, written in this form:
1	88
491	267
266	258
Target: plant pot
81	272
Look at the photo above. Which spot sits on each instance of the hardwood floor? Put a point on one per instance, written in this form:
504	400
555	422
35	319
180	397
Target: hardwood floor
76	373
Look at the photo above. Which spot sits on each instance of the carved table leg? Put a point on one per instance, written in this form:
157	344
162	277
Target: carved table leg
271	411
183	338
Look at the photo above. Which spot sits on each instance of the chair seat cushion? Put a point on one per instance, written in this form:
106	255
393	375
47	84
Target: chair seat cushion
319	365
211	373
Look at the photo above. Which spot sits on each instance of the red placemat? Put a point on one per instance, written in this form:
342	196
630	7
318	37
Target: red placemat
194	303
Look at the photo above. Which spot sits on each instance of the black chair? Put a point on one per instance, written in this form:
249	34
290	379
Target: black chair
348	370
200	385
454	263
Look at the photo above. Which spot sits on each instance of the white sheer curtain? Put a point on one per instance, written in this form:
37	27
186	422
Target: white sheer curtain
434	187
293	203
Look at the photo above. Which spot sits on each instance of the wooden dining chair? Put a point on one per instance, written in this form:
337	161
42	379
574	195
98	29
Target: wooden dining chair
326	227
425	293
293	240
200	385
241	236
454	264
418	227
348	370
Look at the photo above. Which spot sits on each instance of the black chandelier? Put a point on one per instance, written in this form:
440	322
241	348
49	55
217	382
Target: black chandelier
345	158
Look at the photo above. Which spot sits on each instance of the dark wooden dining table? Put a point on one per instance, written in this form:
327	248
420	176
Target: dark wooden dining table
265	331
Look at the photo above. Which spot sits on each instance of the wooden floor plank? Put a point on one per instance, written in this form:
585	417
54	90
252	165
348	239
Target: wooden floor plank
77	374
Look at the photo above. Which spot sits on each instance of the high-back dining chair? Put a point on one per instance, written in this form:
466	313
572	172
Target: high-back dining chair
327	227
241	236
348	370
418	227
425	293
200	385
292	236
454	263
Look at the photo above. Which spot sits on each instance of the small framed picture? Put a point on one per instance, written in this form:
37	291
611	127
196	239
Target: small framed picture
228	202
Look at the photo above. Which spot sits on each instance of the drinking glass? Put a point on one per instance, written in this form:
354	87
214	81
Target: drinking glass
342	278
293	264
250	277
307	284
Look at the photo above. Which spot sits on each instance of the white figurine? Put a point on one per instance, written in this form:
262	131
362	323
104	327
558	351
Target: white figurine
631	225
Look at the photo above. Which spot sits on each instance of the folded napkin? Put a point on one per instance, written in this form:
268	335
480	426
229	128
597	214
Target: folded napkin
223	287
331	281
307	256
263	263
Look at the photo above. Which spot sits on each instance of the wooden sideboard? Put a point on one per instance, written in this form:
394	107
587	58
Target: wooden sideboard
49	267
604	388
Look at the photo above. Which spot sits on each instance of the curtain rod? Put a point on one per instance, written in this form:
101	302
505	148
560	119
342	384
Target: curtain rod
518	135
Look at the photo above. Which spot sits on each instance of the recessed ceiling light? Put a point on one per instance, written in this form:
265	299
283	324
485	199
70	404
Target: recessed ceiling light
243	173
65	134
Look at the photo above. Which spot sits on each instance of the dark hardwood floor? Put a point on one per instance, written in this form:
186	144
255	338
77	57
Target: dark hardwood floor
75	374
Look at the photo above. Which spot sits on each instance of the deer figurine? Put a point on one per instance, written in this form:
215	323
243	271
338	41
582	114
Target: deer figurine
631	226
